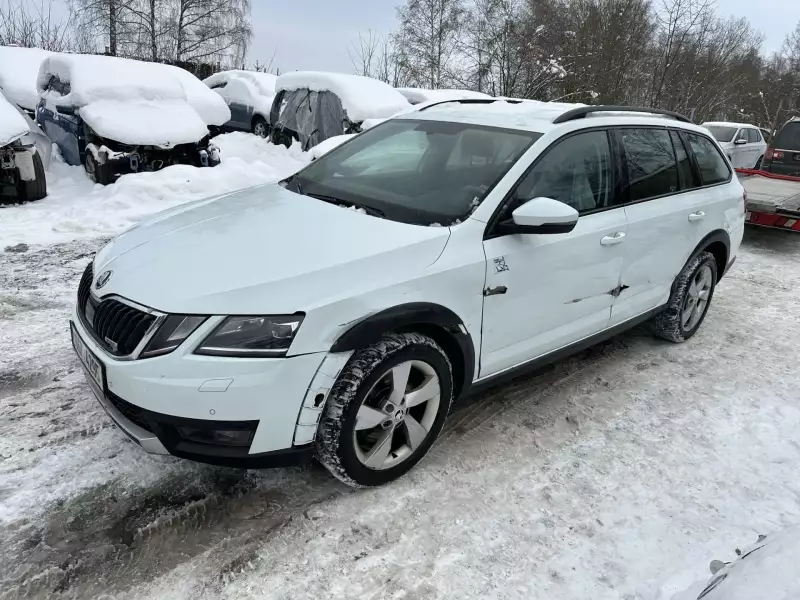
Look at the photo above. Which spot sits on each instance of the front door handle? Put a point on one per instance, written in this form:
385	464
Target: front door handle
610	240
697	216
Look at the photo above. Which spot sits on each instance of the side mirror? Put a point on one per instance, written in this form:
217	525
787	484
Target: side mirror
541	215
740	142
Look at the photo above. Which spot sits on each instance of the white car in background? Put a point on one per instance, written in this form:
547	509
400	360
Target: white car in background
743	144
338	313
22	164
249	95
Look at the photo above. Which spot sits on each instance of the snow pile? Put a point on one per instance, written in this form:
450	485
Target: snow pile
420	95
211	108
326	146
168	123
362	97
766	570
19	68
12	125
77	208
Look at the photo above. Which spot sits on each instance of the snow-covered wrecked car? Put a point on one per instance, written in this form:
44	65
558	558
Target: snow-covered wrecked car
117	116
311	106
22	176
249	95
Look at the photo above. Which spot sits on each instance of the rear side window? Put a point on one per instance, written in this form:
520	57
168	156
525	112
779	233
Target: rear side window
788	137
652	169
713	167
753	136
576	171
688	179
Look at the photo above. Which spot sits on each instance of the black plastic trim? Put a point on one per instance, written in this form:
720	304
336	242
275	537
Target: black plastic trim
560	354
405	317
583	111
718	235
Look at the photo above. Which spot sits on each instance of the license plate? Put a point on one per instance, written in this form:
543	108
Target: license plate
92	366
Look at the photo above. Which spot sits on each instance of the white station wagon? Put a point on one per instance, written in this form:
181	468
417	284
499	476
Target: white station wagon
340	312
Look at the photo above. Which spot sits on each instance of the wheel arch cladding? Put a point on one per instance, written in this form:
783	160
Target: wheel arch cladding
718	243
434	320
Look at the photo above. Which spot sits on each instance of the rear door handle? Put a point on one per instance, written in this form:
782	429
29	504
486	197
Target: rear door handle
697	216
610	240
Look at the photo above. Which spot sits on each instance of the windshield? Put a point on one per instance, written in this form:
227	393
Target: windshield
722	134
415	171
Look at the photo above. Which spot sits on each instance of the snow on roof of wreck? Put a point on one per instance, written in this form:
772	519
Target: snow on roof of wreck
362	97
93	78
419	95
19	68
532	115
264	82
12	125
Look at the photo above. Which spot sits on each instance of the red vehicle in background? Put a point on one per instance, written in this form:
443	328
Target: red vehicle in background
773	200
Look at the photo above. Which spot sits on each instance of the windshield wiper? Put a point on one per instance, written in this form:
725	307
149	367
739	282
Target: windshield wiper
347	204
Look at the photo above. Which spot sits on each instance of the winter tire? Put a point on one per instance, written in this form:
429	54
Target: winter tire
260	127
28	191
99	173
385	410
690	299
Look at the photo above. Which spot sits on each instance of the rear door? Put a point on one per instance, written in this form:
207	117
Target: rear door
664	206
755	147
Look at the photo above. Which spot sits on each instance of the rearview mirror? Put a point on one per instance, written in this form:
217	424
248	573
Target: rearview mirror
542	215
740	142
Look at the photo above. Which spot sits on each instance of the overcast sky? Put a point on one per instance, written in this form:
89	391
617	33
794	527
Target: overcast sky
316	34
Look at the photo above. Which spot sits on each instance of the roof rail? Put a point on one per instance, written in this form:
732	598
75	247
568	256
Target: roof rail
471	101
581	112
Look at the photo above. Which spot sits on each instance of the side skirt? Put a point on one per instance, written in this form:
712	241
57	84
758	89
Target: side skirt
510	373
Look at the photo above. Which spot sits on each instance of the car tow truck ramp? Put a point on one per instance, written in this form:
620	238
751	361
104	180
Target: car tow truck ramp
772	200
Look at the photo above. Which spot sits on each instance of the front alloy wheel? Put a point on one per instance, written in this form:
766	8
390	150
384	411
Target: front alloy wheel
385	410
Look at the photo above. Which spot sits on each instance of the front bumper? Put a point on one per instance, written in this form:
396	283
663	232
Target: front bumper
155	401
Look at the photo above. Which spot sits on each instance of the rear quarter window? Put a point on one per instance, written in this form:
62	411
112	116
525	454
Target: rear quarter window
713	167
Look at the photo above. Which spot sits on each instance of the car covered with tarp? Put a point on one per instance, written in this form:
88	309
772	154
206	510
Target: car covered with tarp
312	106
117	116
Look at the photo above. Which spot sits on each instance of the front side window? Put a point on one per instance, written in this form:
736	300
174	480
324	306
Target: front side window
575	171
650	158
742	136
713	167
416	171
721	133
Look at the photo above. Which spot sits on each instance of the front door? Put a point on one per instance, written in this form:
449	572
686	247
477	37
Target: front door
546	291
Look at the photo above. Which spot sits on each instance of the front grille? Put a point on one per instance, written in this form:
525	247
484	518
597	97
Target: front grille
131	412
116	326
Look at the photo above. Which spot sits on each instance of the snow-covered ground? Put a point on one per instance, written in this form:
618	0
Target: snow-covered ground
618	473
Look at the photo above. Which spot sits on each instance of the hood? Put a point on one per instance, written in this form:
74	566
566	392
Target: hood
263	250
143	122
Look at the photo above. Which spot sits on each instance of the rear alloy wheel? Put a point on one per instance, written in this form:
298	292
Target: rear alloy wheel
385	410
690	299
260	127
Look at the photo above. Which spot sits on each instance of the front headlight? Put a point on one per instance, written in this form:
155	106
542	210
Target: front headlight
252	337
171	334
